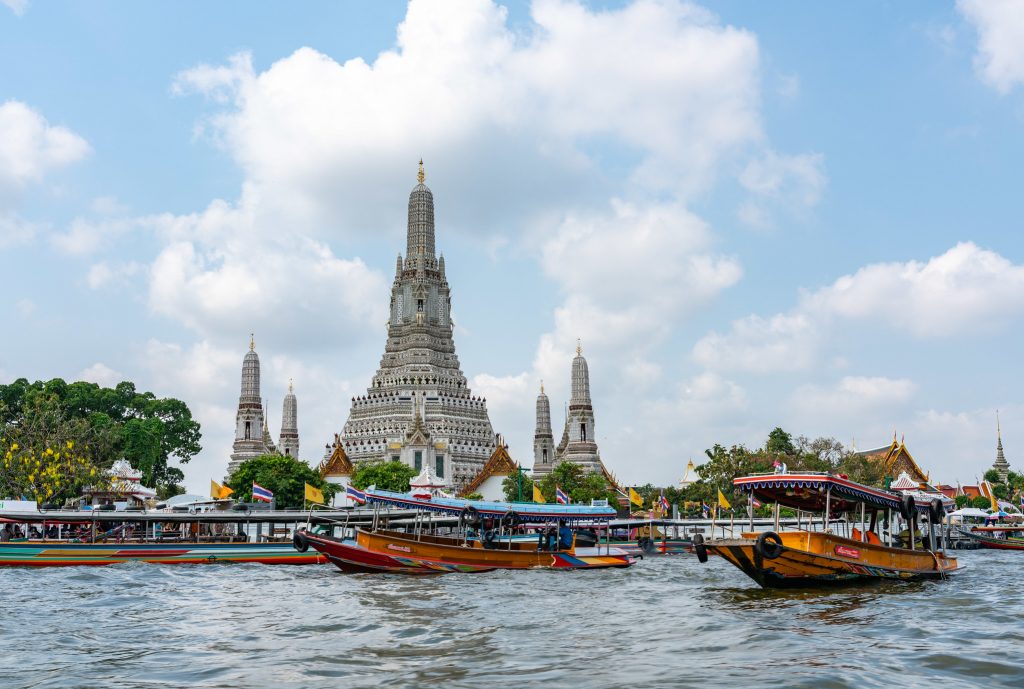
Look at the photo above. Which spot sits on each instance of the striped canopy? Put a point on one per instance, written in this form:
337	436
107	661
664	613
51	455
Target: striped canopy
527	512
807	492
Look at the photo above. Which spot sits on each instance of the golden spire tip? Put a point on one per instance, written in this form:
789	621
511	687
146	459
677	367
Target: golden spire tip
252	342
291	385
579	347
420	176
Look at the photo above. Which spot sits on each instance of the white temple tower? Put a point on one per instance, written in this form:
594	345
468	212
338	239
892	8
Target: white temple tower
419	408
249	421
581	447
289	440
543	439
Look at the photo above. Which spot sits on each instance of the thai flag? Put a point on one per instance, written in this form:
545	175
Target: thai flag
754	501
355	495
560	497
663	501
260	493
705	510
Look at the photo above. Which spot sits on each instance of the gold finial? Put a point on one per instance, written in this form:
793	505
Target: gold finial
579	347
999	431
291	386
902	438
252	342
420	176
542	386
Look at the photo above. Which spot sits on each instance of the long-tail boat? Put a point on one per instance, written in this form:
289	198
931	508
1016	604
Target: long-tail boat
996	537
481	542
808	557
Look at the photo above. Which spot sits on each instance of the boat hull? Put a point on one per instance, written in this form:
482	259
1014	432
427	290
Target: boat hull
994	543
402	554
669	546
814	559
50	554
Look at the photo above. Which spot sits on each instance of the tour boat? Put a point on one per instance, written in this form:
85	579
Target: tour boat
53	554
996	537
422	550
808	557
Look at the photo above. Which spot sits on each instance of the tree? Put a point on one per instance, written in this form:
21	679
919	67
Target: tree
779	443
962	501
518	487
284	476
106	423
992	476
981	502
473	496
392	475
580	486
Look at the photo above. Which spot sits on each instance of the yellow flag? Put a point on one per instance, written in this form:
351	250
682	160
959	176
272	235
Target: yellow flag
313	494
635	498
722	501
537	495
225	492
215	489
992	497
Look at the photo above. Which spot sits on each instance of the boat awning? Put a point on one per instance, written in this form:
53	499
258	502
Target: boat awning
807	492
527	511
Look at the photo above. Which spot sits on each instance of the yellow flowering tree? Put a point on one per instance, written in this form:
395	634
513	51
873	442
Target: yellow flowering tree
47	475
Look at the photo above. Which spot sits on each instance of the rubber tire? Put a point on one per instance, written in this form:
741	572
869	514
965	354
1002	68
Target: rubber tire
768	545
938	512
646	544
509	519
699	548
908	508
470	517
300	542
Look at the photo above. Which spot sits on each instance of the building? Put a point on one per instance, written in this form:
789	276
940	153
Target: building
418	408
337	469
1001	466
579	439
896	460
252	430
490	482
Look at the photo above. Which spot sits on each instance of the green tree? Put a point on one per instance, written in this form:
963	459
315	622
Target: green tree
284	476
473	496
107	423
780	443
962	501
992	476
981	502
580	486
518	487
392	475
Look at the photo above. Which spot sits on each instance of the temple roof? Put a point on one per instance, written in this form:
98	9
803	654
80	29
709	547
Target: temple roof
610	477
337	464
500	464
897	459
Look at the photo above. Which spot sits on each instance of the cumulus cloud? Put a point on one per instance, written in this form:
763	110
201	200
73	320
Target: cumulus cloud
791	184
85	237
101	374
104	273
999	59
17	6
30	147
966	289
853	395
15	231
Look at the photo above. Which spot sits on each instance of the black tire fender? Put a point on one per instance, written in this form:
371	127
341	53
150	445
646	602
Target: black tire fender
699	548
509	519
470	517
300	541
768	545
938	512
908	508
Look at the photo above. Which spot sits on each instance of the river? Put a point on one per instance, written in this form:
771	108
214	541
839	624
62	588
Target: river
667	622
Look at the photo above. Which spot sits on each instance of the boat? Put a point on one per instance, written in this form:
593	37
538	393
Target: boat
808	557
647	537
995	537
31	537
481	541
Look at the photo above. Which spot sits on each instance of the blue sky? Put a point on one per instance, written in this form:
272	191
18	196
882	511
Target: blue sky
752	214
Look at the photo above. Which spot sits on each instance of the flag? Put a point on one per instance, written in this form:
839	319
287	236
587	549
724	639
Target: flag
722	501
560	497
755	502
537	495
215	489
992	497
225	491
705	510
355	495
260	493
635	498
663	502
314	494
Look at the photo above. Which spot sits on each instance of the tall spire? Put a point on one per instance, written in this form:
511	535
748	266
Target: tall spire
1000	465
289	442
420	176
420	244
252	342
580	380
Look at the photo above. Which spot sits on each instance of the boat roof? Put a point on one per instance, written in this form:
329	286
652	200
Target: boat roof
527	511
807	491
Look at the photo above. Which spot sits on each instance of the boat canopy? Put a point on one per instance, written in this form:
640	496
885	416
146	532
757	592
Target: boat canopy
807	492
527	512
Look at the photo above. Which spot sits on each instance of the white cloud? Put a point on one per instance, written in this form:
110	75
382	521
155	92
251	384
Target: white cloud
1000	56
106	273
15	231
101	374
861	395
30	147
16	6
86	237
965	290
25	307
791	184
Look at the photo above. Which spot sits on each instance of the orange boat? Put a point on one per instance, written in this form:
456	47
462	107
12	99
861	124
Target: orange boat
809	557
483	540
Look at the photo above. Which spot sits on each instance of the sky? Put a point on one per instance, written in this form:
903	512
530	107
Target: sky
751	215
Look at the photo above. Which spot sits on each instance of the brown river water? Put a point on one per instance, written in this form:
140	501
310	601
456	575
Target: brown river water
667	622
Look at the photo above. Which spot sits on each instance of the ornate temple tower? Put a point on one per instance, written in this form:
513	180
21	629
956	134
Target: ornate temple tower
249	421
289	441
1000	465
581	447
543	440
418	407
